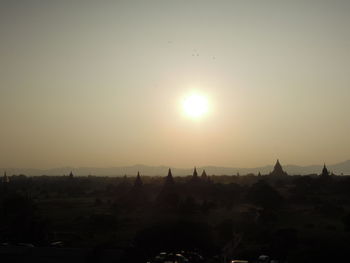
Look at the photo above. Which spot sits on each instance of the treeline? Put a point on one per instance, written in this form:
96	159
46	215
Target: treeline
218	215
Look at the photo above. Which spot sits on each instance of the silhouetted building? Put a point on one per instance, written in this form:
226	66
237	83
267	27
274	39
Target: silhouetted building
71	175
195	174
195	177
138	182
168	198
5	178
5	183
136	196
278	170
169	180
325	171
204	176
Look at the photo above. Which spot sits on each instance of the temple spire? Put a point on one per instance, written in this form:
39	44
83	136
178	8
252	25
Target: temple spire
278	170
195	174
204	175
194	178
169	180
138	181
325	171
5	179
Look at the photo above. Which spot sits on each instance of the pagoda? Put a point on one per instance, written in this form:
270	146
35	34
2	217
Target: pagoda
278	170
195	177
325	172
169	180
138	182
5	178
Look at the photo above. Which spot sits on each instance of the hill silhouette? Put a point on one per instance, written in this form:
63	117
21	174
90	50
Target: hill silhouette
338	168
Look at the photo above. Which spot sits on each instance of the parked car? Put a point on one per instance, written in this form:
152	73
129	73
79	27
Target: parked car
169	258
263	259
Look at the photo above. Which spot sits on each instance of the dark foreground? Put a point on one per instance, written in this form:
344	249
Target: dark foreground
220	218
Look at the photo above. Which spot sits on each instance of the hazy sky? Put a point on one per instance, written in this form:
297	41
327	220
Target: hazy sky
100	83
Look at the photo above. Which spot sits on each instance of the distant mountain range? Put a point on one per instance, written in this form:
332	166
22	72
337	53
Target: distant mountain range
339	168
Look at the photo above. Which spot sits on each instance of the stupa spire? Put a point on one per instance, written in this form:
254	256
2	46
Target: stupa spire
169	180
278	170
138	181
195	174
325	171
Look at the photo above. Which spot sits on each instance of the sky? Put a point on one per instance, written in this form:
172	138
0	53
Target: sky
100	83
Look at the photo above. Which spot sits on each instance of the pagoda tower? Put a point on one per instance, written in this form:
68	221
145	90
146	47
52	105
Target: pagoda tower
5	178
195	177
138	182
325	172
278	170
195	174
169	180
204	176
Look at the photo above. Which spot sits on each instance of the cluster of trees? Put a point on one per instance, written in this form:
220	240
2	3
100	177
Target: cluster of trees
244	215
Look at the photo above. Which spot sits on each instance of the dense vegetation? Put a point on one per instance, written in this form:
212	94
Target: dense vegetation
294	218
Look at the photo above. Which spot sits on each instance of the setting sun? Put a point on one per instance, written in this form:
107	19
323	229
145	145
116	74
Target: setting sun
195	105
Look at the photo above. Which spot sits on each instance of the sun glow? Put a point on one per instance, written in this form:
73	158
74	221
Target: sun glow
195	105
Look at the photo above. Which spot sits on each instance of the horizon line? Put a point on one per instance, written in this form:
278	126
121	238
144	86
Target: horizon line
172	167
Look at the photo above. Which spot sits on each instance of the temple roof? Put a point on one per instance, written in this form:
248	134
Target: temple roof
195	174
138	181
204	175
278	170
169	179
325	171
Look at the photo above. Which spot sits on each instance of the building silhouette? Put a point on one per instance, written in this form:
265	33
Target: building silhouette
195	178
138	182
204	176
5	178
169	180
325	172
278	170
168	197
195	174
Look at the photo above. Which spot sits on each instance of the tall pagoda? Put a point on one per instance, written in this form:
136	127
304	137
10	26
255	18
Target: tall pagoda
278	170
325	172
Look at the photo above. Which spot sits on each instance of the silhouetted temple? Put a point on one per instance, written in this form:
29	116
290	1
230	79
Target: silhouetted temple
325	171
136	196
169	180
278	170
204	176
138	182
195	177
5	179
195	174
168	198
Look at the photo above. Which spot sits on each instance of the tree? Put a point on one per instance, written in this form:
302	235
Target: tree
262	194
